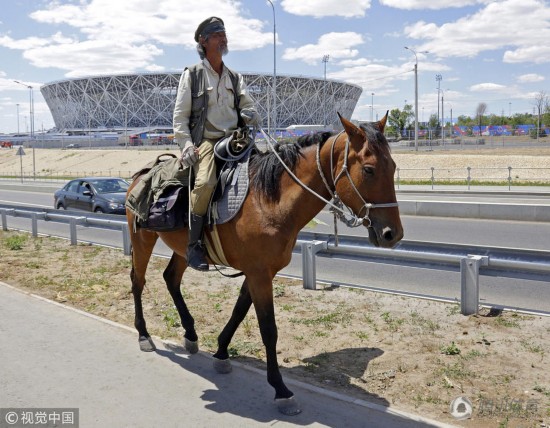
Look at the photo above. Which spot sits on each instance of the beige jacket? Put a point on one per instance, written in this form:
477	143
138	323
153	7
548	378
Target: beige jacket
221	116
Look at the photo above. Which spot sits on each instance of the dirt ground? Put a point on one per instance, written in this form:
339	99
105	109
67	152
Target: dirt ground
412	354
529	163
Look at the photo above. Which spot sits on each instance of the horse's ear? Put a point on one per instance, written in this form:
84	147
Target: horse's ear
381	124
349	127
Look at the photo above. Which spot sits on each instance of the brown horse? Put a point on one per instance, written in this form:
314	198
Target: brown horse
355	166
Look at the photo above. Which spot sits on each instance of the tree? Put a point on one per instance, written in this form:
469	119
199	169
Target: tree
542	104
464	120
480	111
399	119
432	123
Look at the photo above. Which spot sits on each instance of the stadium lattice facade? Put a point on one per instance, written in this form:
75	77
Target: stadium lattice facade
146	100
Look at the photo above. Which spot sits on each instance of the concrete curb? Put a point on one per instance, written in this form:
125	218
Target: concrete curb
488	211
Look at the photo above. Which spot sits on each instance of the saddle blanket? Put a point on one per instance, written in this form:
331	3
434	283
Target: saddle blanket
234	194
227	207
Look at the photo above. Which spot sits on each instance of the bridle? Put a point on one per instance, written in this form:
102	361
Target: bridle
338	206
355	220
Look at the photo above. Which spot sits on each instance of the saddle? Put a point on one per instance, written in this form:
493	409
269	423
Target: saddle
160	200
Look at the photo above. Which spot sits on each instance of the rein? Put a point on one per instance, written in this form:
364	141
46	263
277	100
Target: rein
338	205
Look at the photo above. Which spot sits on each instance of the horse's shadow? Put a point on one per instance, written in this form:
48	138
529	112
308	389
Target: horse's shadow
248	394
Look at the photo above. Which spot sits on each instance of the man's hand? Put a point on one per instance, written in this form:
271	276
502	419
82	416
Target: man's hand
189	154
251	117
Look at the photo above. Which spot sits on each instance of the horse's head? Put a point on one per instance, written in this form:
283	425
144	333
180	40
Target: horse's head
369	189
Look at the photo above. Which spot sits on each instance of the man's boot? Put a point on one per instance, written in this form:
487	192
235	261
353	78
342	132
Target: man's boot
196	257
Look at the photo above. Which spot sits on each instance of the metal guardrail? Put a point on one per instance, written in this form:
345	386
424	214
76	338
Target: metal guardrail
511	176
468	176
72	218
472	261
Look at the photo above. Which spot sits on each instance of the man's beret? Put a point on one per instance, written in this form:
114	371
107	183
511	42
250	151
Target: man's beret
209	26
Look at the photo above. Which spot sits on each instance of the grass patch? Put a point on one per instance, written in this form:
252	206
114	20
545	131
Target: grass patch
329	321
451	349
171	317
16	242
392	323
507	322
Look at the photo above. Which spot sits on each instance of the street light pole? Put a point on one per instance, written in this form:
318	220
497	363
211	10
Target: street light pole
17	119
325	60
415	97
371	106
442	119
438	79
31	106
274	90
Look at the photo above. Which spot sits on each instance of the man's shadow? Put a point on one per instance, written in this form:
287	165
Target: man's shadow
246	393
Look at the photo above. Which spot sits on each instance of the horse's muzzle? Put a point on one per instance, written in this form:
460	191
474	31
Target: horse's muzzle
385	237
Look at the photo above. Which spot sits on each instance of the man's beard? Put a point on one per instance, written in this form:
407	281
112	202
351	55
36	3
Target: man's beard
223	50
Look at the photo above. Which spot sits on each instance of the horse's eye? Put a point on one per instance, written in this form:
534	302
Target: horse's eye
369	171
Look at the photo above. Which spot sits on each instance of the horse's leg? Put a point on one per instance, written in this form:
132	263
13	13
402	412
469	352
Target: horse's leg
262	297
221	357
142	248
172	275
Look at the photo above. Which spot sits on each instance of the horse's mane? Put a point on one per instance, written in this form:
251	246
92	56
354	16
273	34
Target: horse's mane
266	169
377	141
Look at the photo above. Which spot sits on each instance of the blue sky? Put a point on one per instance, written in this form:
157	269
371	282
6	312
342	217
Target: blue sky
495	52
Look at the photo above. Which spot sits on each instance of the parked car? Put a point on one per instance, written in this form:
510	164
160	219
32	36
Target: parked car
72	146
95	194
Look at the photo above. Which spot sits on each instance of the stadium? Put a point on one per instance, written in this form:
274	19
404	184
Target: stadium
144	102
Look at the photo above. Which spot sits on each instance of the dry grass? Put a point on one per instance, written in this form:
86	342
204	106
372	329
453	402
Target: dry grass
413	354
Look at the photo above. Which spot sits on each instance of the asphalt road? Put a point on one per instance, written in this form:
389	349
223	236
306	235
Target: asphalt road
509	292
56	357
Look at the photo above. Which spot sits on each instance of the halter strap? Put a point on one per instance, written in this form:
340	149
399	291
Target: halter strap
355	221
338	205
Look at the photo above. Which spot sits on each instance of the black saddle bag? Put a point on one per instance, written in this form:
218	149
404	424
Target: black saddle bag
169	212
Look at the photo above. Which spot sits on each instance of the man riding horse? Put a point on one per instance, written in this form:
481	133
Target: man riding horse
212	101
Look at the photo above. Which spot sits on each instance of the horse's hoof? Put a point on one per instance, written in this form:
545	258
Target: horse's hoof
288	406
146	344
190	346
222	366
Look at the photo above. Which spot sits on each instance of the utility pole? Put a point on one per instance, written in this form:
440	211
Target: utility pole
274	90
17	118
438	79
372	107
416	97
31	106
325	60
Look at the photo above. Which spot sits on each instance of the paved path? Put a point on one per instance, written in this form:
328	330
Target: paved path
53	356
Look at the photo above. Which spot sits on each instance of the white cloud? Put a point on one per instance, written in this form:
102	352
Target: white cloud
522	26
428	4
488	87
337	45
530	78
111	36
320	8
86	58
538	54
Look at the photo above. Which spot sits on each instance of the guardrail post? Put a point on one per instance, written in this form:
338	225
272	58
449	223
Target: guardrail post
126	242
73	222
309	272
469	283
397	170
5	218
34	222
